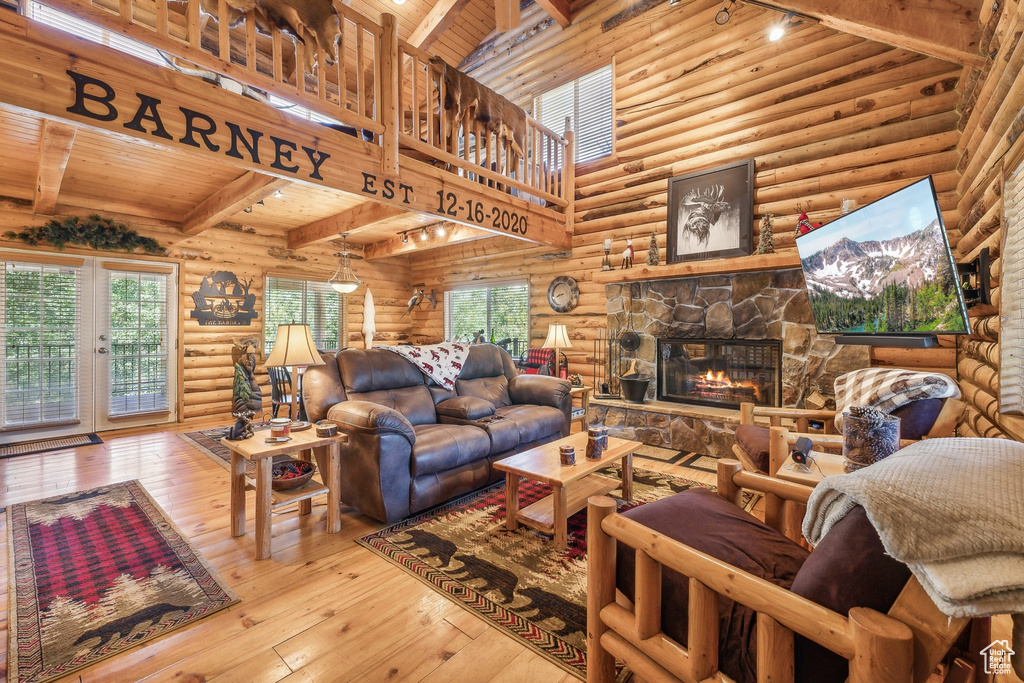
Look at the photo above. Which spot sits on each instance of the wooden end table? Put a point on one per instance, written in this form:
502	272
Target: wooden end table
571	484
584	395
327	451
825	465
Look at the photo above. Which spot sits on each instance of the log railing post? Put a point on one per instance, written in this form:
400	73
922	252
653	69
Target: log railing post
600	588
727	469
569	175
883	648
702	641
388	76
775	652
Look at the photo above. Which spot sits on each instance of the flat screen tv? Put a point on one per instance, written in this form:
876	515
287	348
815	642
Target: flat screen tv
885	272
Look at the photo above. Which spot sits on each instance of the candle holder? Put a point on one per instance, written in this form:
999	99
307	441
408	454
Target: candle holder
607	264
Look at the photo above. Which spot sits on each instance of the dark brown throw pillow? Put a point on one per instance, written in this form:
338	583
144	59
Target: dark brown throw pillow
848	569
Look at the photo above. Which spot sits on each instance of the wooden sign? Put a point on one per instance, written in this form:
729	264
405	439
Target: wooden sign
47	71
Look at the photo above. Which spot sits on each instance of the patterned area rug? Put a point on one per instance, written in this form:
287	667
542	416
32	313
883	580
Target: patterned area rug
44	445
208	443
95	573
516	580
659	454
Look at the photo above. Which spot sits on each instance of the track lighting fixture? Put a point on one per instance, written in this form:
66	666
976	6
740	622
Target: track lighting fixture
279	195
724	15
674	3
423	235
247	209
779	29
441	232
405	238
260	203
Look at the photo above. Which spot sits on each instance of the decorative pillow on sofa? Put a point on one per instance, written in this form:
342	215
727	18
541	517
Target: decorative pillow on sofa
705	521
848	569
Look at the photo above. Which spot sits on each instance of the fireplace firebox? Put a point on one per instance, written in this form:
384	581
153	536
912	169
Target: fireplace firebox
720	372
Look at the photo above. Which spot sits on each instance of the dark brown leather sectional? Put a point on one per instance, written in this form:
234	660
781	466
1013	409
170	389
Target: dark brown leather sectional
413	445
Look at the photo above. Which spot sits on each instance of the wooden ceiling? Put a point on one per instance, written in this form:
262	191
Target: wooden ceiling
78	171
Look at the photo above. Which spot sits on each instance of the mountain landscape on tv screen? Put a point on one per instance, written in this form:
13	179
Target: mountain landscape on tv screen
904	284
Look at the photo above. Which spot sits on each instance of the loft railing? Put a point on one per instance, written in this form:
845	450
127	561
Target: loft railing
545	170
253	53
380	86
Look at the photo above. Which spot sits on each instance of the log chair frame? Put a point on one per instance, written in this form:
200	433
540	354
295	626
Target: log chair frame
945	424
902	646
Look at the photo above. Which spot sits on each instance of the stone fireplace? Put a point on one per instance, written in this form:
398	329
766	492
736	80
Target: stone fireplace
719	372
769	305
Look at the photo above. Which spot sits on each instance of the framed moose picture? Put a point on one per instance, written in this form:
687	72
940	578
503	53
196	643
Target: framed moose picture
710	213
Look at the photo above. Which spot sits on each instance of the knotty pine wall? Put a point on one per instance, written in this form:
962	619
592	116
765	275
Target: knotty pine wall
825	116
990	148
206	370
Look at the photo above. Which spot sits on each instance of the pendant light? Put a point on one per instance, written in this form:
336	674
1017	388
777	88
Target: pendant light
344	281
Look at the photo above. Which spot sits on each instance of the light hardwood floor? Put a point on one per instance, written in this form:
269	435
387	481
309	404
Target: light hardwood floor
321	609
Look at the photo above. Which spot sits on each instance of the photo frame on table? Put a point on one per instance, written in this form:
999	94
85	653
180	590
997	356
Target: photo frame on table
710	213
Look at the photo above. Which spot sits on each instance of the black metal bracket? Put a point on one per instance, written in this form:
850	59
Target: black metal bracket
976	279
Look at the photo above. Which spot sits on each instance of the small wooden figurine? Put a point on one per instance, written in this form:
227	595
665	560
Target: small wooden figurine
627	255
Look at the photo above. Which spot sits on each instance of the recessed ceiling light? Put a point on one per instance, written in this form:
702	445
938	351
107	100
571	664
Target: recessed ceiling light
398	2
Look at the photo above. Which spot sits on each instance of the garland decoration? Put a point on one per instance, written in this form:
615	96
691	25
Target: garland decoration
100	233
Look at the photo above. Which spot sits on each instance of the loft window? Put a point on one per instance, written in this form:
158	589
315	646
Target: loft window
290	300
497	313
587	102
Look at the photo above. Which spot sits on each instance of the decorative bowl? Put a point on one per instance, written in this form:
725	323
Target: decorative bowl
290	474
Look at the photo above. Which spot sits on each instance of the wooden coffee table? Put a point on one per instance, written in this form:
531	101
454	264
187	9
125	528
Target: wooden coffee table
572	484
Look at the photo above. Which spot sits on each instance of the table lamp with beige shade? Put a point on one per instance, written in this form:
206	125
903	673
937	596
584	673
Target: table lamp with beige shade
294	349
558	339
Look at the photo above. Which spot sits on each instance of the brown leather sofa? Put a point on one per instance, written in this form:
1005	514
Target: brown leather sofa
412	444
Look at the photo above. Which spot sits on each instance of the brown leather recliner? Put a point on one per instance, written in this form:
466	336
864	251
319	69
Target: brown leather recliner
413	445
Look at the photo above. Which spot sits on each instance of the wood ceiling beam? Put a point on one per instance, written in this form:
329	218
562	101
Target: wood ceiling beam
57	139
559	10
355	219
454	234
243	191
506	14
437	21
210	123
947	29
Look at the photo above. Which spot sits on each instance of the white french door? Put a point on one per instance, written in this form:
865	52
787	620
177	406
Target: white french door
86	344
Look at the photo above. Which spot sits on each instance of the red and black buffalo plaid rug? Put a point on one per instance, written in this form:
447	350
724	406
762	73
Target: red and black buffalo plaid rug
94	573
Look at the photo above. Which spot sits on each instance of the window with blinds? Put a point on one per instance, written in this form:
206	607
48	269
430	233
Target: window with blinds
1011	350
494	313
587	102
289	300
42	320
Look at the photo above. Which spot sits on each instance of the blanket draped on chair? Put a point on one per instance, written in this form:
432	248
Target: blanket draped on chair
440	362
952	510
887	389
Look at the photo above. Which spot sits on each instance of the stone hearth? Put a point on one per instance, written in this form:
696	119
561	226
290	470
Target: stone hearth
764	305
767	305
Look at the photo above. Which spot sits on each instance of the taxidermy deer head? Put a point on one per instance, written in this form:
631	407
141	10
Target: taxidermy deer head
710	206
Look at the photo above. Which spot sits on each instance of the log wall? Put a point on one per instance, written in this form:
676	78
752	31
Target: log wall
824	115
990	147
207	370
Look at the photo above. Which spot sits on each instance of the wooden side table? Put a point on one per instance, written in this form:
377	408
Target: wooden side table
327	451
584	395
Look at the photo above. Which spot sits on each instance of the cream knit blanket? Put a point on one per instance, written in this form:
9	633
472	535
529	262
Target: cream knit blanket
950	509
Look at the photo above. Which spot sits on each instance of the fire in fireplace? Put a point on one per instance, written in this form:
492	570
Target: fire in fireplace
720	372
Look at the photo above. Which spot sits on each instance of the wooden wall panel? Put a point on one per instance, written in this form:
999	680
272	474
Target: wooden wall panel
248	252
824	115
989	149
